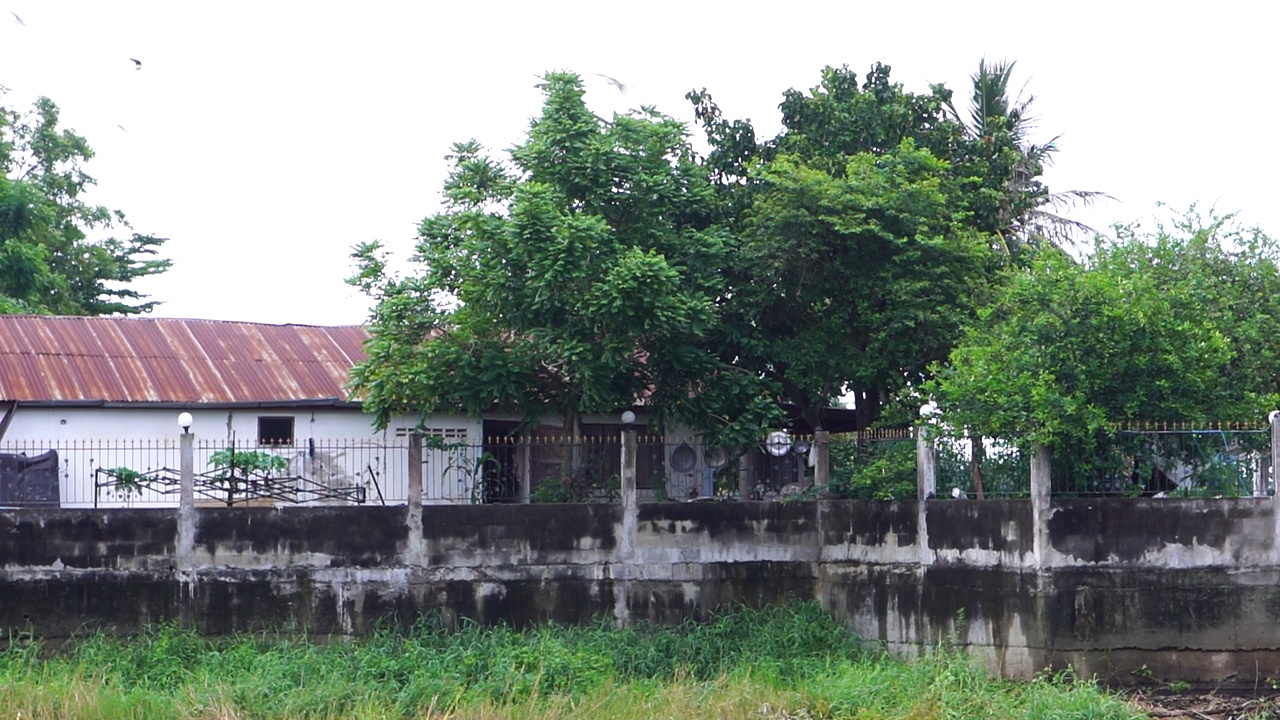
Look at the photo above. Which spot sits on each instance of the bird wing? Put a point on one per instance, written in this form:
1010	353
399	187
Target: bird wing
614	82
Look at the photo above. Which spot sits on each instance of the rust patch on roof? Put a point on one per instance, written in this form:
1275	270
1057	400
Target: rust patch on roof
161	360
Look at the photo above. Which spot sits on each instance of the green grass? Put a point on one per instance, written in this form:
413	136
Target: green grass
775	664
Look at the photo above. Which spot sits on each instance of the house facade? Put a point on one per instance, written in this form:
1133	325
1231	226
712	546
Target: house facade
106	393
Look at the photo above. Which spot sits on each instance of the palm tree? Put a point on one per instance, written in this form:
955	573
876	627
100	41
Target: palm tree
1030	216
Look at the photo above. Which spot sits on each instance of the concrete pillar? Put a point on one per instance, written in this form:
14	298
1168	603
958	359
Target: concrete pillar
926	466
1274	420
623	567
186	500
628	479
822	466
1260	485
415	470
926	486
526	471
1040	497
746	475
414	547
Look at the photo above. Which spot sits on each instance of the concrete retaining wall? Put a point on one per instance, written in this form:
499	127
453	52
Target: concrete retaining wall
1185	588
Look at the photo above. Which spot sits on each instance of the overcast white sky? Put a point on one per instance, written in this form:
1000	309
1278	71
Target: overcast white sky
266	138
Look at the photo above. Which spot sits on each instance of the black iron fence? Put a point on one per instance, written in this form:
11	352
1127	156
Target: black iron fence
140	473
1146	460
978	468
1169	460
874	465
586	469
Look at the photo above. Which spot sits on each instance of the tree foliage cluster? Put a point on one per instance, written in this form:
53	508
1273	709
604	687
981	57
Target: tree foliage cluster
1174	325
53	258
883	245
605	263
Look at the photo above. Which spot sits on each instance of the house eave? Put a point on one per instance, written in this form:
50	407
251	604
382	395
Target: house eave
170	405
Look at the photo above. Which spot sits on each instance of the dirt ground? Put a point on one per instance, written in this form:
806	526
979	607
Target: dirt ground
1208	704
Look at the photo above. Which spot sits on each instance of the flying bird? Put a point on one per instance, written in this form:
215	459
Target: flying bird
16	18
615	82
121	128
137	63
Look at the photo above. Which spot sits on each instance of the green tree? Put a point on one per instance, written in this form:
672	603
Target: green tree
1025	215
579	277
1172	326
49	263
861	253
1231	275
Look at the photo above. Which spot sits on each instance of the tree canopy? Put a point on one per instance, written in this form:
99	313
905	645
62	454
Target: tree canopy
866	236
1024	215
575	276
1178	324
51	260
604	263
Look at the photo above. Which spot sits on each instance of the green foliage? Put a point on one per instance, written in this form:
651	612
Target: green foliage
126	480
241	463
1018	208
604	262
873	470
577	278
1163	327
50	261
581	477
860	252
1006	469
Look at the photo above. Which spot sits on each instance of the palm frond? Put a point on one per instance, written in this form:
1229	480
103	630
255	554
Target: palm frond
1076	198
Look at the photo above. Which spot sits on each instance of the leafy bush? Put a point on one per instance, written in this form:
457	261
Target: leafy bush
875	470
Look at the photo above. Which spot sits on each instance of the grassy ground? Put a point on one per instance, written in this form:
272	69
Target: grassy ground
775	664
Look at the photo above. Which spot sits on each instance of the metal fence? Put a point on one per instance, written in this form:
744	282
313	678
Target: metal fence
978	468
141	473
1159	461
1169	460
585	469
145	473
874	465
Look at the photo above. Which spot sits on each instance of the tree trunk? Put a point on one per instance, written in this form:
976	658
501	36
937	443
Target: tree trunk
977	454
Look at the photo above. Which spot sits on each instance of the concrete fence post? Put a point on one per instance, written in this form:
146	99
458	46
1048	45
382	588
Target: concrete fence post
822	467
926	487
414	549
926	464
415	470
1260	486
746	475
526	472
1274	420
186	500
628	478
625	554
1041	485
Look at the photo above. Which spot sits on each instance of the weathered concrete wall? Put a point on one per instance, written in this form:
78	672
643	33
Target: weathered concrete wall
1186	588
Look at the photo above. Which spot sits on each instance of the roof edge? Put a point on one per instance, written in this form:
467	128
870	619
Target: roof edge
308	403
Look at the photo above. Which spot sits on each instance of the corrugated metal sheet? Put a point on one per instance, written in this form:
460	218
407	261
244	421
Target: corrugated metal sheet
160	360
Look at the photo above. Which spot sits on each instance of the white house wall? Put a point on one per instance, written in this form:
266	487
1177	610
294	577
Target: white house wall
337	446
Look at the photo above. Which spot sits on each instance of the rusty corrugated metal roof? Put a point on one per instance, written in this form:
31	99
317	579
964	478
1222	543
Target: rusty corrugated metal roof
54	359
